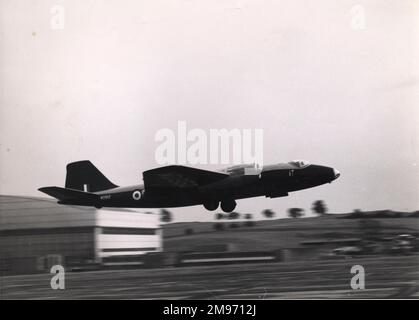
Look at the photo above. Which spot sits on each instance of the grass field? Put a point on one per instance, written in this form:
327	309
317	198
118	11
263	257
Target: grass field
275	234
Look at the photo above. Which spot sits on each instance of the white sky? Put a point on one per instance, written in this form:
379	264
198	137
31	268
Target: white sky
118	71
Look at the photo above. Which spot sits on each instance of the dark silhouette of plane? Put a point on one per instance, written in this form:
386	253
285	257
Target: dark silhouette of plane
180	186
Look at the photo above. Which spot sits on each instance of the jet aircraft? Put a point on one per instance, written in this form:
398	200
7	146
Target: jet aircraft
180	186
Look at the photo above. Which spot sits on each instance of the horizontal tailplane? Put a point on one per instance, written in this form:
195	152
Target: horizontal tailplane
70	196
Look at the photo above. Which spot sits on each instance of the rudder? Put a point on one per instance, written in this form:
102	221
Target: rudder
83	175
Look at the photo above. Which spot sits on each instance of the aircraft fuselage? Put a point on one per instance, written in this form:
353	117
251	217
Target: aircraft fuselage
272	181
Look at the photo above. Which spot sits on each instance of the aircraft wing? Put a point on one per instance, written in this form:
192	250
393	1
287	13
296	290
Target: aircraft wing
180	177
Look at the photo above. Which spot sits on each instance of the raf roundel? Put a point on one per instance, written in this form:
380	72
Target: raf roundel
136	195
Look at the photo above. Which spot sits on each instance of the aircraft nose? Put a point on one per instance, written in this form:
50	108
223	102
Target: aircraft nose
336	173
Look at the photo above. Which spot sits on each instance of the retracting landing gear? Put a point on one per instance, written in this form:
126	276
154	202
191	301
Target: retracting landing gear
211	205
228	205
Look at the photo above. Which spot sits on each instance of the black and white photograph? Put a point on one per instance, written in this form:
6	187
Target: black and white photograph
229	151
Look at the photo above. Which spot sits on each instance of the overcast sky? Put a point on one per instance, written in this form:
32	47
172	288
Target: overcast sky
333	82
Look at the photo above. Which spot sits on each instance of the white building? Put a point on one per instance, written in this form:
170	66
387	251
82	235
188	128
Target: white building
35	233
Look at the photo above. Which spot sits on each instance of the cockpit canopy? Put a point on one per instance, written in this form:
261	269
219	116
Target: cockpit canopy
299	163
241	168
238	169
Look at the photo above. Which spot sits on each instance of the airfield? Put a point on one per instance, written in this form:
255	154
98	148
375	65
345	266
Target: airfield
385	278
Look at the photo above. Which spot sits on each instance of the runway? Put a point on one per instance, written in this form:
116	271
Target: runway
385	277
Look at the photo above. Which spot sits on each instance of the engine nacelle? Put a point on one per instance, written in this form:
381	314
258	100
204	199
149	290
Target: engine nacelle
275	193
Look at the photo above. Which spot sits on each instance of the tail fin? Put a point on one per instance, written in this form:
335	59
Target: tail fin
83	175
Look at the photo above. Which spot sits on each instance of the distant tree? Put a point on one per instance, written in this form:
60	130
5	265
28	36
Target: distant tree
397	215
356	213
189	231
166	216
319	207
268	213
249	222
233	215
414	214
219	216
295	212
218	226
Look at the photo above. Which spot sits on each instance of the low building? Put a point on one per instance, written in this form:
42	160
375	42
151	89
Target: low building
37	233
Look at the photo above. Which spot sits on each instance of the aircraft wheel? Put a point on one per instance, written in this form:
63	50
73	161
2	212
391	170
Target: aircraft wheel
228	206
211	205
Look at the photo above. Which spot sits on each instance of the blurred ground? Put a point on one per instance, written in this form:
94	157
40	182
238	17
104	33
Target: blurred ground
386	277
316	274
277	233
